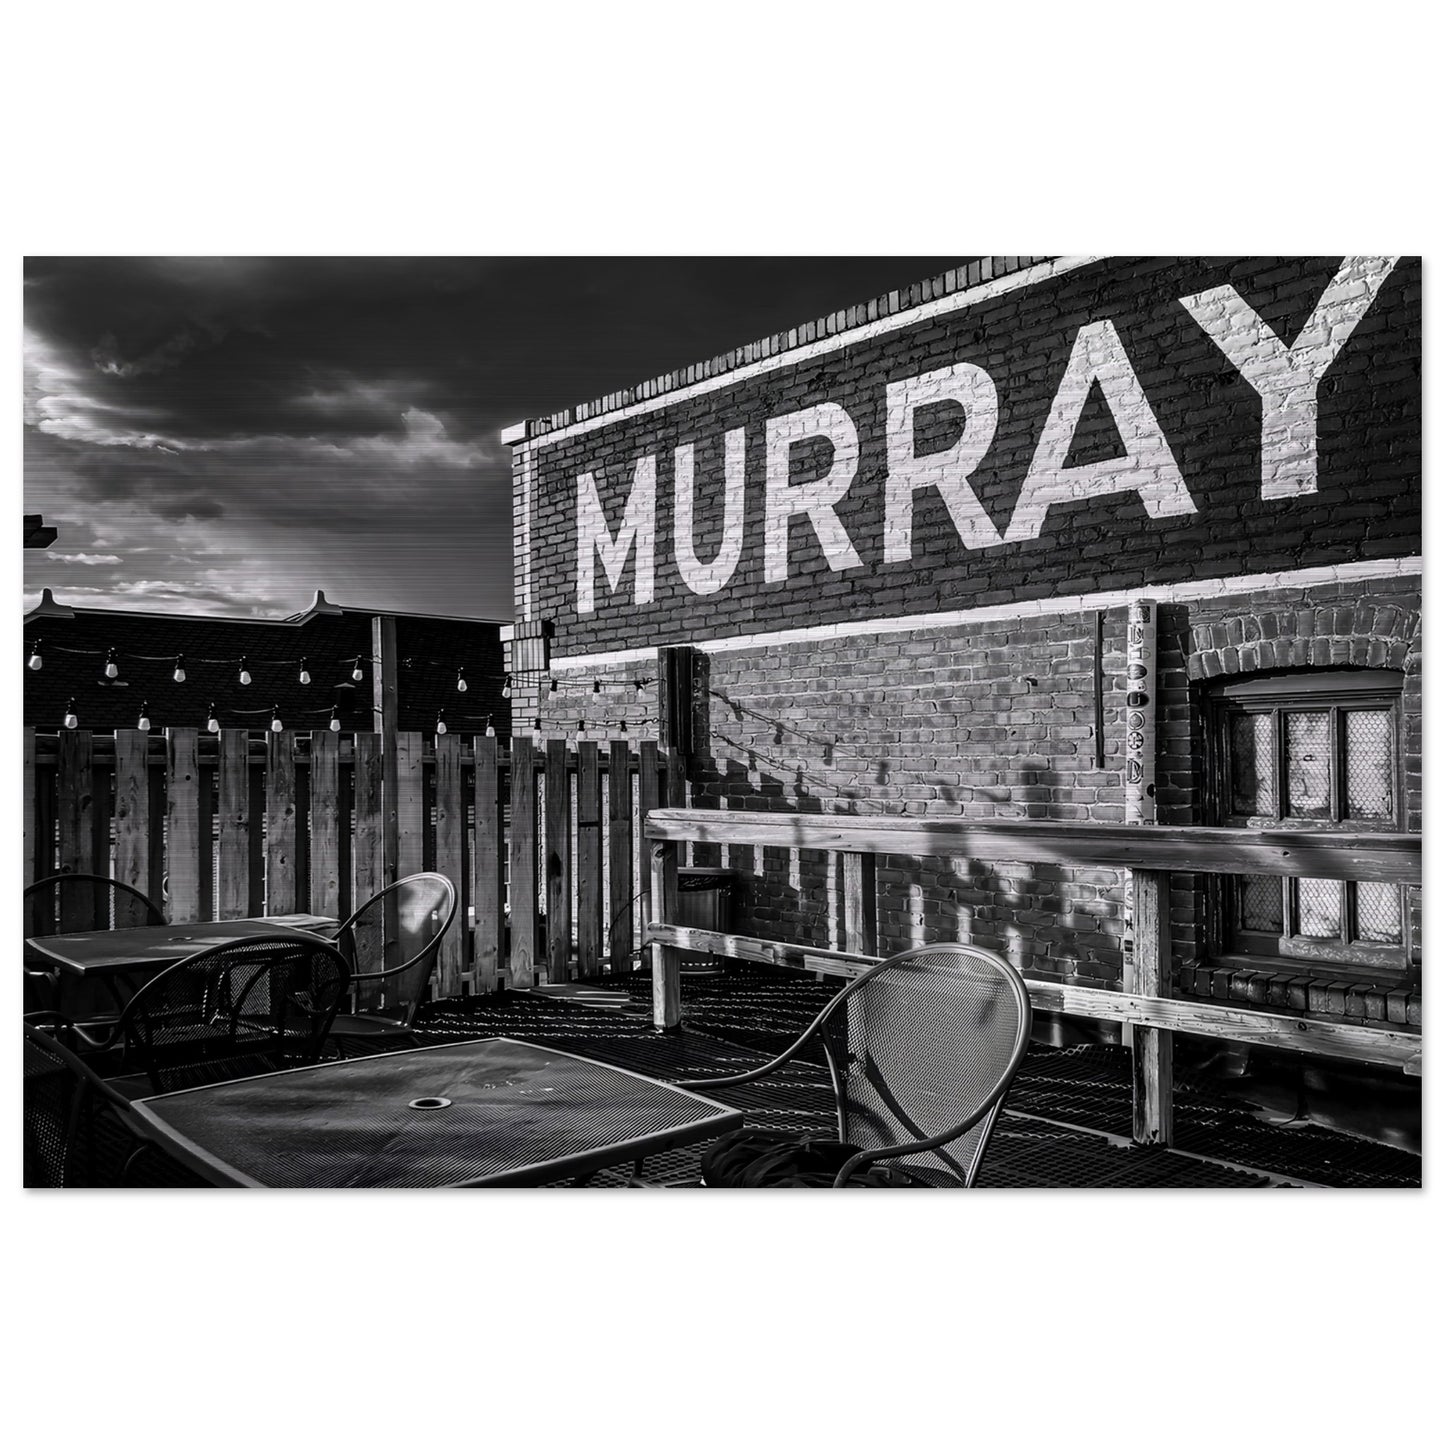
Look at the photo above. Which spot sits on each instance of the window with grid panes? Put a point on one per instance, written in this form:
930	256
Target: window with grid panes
1309	751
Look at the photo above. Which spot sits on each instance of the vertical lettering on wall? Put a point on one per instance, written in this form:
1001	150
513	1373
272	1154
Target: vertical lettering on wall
973	389
817	498
1147	467
638	527
705	578
1287	378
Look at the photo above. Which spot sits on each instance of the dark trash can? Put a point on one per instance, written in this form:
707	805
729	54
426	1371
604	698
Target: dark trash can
705	899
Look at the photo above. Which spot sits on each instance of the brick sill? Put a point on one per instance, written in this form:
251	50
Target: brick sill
1281	989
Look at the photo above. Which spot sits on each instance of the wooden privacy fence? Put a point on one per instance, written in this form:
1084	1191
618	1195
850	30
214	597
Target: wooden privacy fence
543	844
1151	853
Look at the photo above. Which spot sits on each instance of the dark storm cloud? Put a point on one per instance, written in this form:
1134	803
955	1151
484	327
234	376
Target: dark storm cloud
312	421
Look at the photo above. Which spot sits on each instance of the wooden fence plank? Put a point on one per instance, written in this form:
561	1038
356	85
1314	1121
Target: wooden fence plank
558	864
619	846
487	869
1153	1048
27	803
205	839
132	821
410	804
156	788
589	861
522	884
183	822
369	851
648	800
281	824
74	803
451	815
255	839
325	830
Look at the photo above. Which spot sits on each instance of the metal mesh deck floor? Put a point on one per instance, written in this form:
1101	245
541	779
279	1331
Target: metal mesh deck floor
1062	1105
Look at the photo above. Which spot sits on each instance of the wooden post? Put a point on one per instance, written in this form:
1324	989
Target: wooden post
619	847
666	960
522	889
75	801
1141	689
233	896
183	813
1153	1048
451	819
487	869
675	719
860	903
280	824
410	795
589	861
648	798
558	864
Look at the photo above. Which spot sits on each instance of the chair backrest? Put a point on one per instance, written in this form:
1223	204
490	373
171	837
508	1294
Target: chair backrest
263	995
63	1098
80	902
397	934
926	1044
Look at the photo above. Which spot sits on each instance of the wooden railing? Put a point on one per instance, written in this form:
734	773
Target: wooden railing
1150	853
238	825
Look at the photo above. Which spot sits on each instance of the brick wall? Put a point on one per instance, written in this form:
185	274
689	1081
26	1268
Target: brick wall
948	668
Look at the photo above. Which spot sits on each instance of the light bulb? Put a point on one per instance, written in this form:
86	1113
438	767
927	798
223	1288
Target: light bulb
276	720
111	670
143	723
335	723
35	662
441	725
71	720
491	731
179	675
245	678
622	726
581	727
212	726
507	686
637	685
596	686
552	686
356	670
305	677
461	681
536	727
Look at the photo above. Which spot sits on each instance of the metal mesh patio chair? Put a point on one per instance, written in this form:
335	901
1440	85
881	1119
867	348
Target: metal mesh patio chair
66	1108
77	903
241	1007
921	1050
392	942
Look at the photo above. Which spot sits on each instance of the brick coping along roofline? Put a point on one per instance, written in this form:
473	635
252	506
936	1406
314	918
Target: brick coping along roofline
981	275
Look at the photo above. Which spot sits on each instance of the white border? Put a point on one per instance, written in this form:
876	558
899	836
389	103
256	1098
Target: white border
1010	611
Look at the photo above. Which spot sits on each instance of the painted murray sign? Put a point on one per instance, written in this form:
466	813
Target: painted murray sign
994	451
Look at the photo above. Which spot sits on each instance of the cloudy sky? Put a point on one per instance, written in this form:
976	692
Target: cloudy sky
226	436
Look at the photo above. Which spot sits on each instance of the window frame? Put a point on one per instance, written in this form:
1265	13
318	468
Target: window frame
1333	692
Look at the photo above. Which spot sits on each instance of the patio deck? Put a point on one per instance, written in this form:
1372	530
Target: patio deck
1066	1124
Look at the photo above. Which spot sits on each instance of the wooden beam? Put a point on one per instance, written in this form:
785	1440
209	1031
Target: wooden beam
649	799
1365	857
1393	1048
368	858
859	884
1153	1049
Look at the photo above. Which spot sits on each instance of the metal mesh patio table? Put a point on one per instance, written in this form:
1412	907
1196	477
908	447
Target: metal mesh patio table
492	1112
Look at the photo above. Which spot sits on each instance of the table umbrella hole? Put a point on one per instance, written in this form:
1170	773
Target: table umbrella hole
432	1103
